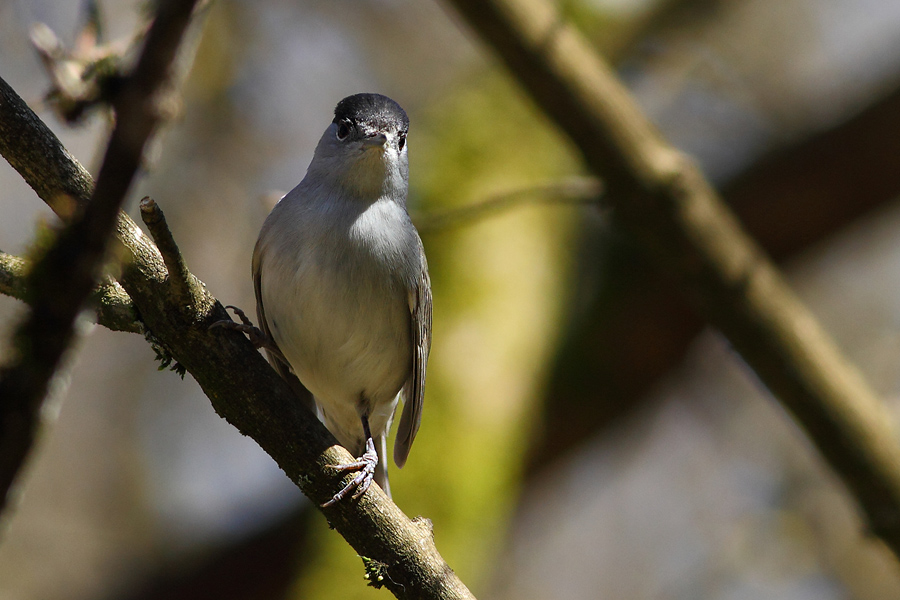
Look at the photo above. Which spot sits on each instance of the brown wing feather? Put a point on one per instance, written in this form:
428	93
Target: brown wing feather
414	391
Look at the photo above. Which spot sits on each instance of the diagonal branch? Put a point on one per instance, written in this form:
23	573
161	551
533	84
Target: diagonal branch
399	552
663	200
788	200
62	279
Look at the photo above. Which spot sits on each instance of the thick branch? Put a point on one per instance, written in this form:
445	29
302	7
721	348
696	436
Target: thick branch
242	387
112	305
664	201
789	200
62	279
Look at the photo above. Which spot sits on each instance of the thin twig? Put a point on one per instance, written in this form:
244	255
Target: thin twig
183	284
573	190
62	279
658	195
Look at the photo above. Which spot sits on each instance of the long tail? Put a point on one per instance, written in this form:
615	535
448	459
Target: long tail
381	471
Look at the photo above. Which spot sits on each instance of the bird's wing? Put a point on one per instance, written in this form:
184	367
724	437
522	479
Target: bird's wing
277	360
414	390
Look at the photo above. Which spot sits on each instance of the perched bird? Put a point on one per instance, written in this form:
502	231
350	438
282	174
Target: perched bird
342	289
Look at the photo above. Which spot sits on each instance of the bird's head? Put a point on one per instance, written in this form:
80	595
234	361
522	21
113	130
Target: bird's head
364	148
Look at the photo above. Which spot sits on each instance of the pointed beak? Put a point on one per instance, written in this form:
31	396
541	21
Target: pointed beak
378	140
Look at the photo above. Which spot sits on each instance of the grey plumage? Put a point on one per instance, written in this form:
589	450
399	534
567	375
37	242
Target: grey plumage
342	285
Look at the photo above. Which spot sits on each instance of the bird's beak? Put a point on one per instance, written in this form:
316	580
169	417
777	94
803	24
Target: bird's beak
379	140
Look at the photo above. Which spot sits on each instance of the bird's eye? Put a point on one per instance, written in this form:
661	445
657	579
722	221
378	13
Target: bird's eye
343	130
401	142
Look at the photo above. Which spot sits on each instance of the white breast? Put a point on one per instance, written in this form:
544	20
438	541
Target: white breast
336	302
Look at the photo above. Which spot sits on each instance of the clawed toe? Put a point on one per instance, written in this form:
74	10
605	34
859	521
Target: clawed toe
360	483
256	336
241	315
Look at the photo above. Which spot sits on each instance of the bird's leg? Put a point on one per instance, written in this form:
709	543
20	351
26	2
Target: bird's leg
257	337
365	464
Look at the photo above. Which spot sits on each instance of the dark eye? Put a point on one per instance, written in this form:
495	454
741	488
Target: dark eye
343	130
401	142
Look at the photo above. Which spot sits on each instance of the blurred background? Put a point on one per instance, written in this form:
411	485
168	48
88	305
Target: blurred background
584	436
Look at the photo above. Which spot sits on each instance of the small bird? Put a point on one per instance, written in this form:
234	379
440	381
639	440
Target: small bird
343	295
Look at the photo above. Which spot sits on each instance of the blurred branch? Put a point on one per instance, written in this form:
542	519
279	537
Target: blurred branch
87	75
663	200
636	327
112	307
573	190
241	385
91	73
656	19
662	16
62	278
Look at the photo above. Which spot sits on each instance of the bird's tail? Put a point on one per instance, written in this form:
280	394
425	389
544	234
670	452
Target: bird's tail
381	471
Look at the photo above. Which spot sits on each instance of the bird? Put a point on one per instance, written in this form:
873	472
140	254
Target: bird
343	295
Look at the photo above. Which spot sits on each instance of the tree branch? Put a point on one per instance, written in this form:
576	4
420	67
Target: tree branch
662	199
572	190
112	306
789	200
62	278
241	385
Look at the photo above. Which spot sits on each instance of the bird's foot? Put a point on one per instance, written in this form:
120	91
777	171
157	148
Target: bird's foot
365	464
256	336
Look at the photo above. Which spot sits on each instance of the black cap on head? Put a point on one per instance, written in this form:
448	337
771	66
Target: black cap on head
374	110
